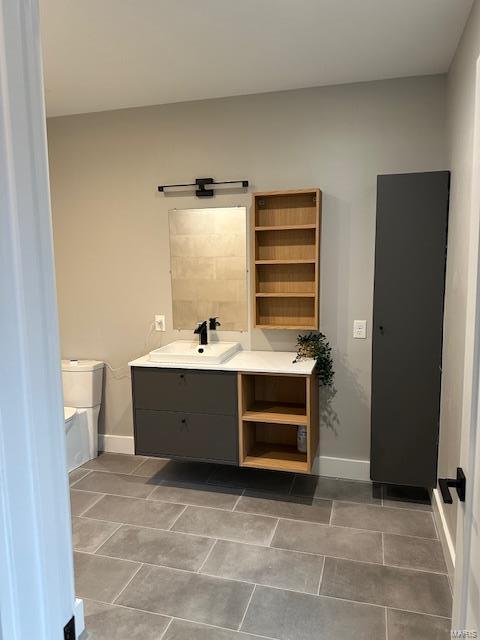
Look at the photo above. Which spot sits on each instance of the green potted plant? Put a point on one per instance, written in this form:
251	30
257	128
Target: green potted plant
316	346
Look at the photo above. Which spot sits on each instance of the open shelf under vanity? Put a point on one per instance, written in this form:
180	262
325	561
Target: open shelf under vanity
271	408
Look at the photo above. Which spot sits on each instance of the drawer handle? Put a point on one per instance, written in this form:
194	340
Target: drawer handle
184	421
182	376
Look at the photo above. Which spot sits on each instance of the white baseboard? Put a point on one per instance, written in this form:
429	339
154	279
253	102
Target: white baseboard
116	444
444	533
346	468
323	466
79	617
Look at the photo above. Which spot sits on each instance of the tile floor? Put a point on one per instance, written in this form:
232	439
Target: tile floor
172	551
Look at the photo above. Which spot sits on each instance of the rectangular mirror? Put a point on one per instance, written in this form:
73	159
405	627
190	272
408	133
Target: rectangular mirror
208	263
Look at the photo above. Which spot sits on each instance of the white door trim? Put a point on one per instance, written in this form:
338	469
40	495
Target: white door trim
36	576
469	511
446	541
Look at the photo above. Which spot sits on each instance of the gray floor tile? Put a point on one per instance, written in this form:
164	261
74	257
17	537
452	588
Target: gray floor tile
413	506
228	525
170	549
144	513
387	586
160	469
114	462
292	507
331	541
183	630
263	565
406	497
414	626
386	519
101	578
80	501
200	495
104	621
335	489
414	553
188	595
256	479
295	616
77	474
88	535
116	484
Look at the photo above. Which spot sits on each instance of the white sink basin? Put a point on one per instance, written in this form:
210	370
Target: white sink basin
190	352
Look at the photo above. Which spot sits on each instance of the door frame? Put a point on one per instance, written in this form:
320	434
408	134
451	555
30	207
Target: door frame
36	580
467	554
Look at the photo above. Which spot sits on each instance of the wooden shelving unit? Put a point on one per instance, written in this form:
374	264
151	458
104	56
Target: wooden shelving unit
271	407
285	259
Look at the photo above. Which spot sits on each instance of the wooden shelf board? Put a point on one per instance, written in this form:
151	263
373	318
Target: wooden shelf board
296	261
293	294
277	457
297	327
285	227
286	192
276	413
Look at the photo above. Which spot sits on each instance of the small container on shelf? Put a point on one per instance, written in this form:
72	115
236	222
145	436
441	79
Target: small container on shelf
301	439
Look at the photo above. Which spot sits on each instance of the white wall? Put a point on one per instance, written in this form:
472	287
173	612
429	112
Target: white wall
460	105
111	227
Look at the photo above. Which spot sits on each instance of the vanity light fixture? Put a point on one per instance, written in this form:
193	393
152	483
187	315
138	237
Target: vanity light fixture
201	184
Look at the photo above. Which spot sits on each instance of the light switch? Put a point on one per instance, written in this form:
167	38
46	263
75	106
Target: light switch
360	329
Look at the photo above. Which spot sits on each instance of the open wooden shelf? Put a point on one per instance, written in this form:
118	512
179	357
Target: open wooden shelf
286	312
285	208
271	408
276	412
285	255
285	278
285	244
276	457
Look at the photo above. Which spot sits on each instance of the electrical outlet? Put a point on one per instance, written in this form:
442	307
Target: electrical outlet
159	323
360	329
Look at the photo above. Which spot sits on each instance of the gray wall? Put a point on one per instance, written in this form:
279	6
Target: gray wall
111	227
460	104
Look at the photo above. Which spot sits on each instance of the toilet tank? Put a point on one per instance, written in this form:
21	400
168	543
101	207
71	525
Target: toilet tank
82	383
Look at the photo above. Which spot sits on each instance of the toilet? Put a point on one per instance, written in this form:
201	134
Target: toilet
82	394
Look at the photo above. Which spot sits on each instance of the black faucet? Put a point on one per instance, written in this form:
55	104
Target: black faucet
202	332
213	323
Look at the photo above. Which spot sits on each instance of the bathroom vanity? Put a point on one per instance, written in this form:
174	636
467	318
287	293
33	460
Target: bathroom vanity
244	411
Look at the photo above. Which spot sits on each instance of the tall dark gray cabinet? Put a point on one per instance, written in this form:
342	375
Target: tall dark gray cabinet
410	258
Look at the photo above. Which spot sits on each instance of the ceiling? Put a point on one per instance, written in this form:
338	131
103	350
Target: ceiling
111	54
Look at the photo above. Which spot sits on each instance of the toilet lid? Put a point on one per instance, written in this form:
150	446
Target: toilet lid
69	412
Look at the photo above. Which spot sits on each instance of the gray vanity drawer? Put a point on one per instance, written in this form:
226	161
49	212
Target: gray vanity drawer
186	435
213	392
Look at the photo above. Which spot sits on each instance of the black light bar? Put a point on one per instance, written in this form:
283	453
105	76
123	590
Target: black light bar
201	184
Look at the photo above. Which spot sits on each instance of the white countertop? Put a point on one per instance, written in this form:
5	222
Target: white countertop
244	361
